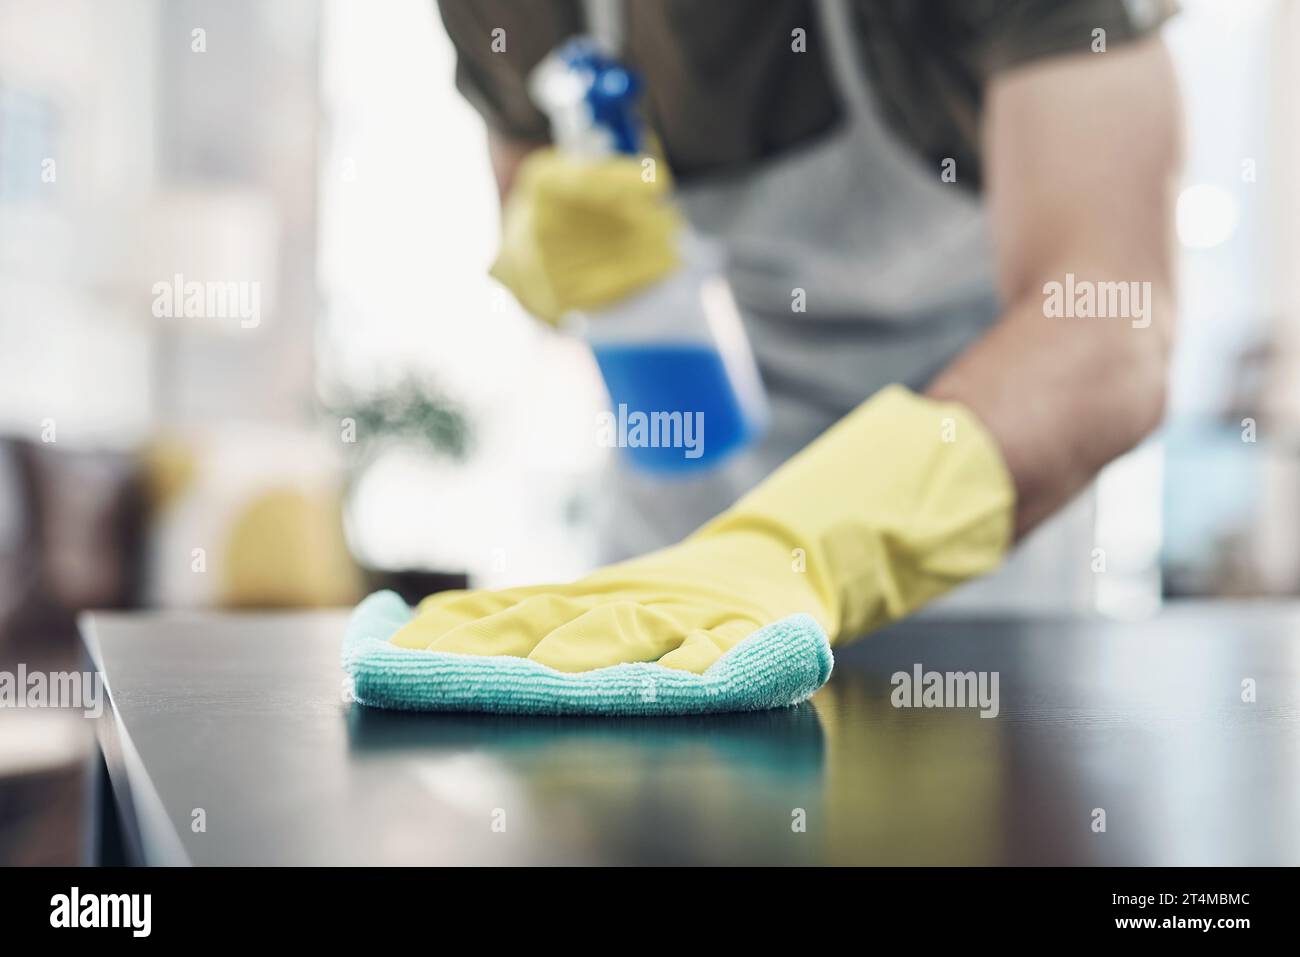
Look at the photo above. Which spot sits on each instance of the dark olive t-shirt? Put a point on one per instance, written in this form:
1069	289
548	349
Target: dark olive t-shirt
725	88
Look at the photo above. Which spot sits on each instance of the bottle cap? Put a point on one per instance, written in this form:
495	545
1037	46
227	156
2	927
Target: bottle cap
591	98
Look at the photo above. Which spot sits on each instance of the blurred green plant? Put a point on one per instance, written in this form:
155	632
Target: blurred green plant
411	411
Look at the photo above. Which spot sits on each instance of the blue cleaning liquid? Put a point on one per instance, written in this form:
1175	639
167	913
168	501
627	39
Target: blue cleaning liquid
674	407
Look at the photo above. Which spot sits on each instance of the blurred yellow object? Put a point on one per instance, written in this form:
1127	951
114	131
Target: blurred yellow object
286	549
170	468
901	500
584	233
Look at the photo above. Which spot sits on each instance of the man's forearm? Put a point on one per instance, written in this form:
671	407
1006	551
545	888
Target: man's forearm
1083	155
1063	396
506	156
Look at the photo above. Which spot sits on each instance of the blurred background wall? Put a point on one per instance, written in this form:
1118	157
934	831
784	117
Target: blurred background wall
1228	494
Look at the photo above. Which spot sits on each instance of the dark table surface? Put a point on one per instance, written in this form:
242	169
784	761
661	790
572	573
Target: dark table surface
242	723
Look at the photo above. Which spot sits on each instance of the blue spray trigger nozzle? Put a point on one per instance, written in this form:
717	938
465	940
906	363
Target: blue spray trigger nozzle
610	92
613	101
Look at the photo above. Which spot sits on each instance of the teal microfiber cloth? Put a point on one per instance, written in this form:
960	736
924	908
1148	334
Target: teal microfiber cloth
776	666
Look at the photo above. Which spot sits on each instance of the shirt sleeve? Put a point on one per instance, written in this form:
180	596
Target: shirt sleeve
1001	34
498	42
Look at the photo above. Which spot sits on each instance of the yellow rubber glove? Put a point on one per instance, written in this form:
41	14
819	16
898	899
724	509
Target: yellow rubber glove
583	233
901	500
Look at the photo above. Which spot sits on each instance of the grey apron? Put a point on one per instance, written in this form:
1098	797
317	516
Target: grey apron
895	269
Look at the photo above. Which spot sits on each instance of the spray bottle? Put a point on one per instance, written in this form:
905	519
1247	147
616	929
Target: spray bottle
683	385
